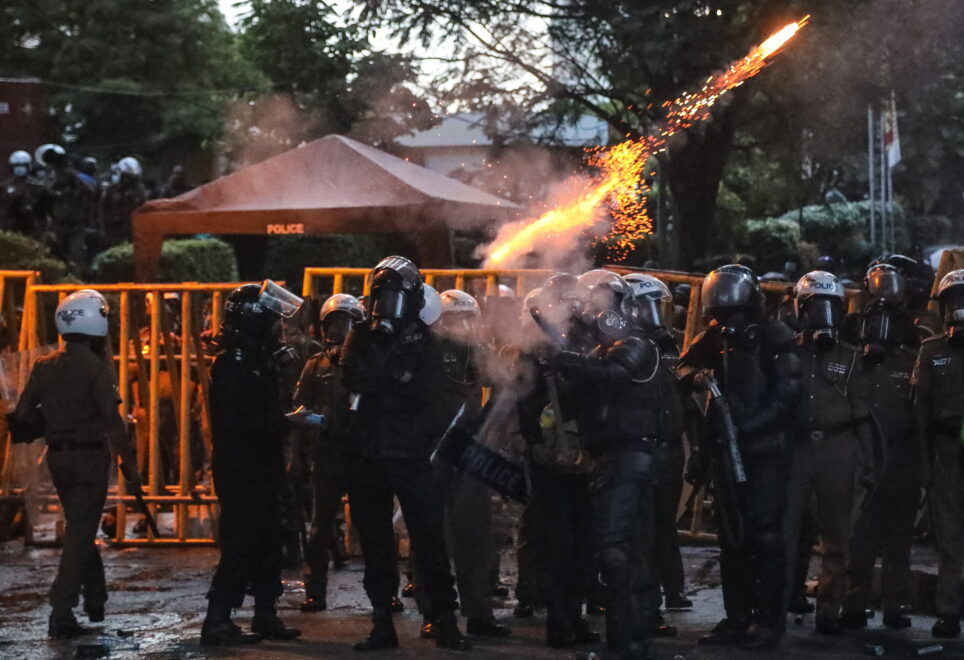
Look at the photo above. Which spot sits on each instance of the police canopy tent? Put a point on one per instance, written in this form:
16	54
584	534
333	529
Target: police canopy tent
331	185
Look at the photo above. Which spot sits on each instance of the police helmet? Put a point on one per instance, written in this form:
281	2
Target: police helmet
730	288
609	303
818	300
950	297
88	165
506	291
48	154
130	166
396	291
884	283
343	302
455	301
253	309
83	312
650	294
20	157
432	308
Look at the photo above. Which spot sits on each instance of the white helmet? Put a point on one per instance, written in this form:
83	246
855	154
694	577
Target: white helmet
506	291
20	157
953	279
456	301
83	312
342	302
432	309
647	287
949	298
818	283
42	150
532	299
129	165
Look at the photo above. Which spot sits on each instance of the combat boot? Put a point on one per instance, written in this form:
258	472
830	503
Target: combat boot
947	625
383	635
219	630
724	633
267	624
760	638
63	624
449	635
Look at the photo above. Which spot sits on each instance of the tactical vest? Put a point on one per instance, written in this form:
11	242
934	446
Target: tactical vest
941	368
826	389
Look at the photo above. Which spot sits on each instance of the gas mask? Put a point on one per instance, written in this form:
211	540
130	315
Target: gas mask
820	317
952	310
651	320
880	331
20	171
736	326
396	294
336	326
461	326
607	314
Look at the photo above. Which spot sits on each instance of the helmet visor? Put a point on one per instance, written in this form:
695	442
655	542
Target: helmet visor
885	285
279	300
336	326
650	314
821	312
723	290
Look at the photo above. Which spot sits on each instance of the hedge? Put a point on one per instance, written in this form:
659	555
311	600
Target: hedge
19	252
183	260
288	256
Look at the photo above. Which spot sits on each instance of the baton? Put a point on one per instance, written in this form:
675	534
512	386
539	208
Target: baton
549	329
148	518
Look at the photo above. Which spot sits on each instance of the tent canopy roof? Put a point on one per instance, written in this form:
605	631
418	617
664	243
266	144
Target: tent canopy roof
331	173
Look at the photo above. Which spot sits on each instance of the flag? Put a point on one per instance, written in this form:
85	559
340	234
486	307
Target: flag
891	136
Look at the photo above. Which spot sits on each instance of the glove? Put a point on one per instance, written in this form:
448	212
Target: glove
702	380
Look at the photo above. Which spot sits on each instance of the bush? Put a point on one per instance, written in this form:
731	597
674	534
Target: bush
19	252
771	242
183	260
288	256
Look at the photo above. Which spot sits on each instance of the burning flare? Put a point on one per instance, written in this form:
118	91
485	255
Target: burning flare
620	184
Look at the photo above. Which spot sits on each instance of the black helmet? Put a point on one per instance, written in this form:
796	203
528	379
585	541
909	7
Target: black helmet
253	309
396	292
88	165
884	284
730	288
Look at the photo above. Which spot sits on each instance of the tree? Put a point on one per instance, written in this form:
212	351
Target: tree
326	78
620	60
128	77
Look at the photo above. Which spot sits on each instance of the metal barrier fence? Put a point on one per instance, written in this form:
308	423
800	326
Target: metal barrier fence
162	373
162	369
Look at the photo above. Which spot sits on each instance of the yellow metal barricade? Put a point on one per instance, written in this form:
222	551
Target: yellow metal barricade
326	281
162	375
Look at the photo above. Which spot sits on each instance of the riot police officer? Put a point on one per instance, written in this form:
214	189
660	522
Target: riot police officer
825	446
19	195
321	390
394	372
468	502
886	332
651	296
248	428
120	199
614	391
73	397
939	385
558	515
758	372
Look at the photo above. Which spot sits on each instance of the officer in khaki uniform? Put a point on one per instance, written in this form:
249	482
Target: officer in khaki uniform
939	381
75	396
825	447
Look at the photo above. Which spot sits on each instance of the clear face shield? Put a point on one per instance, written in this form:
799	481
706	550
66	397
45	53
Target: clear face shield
336	326
458	325
821	316
651	314
279	300
885	286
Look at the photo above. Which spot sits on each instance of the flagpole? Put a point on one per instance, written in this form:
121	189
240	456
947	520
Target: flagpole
884	209
872	175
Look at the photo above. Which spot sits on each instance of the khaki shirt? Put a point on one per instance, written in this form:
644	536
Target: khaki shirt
76	392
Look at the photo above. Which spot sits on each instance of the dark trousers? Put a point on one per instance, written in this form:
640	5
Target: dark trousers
469	539
753	573
567	549
886	529
670	460
249	533
621	491
373	485
947	509
328	486
80	477
531	563
825	470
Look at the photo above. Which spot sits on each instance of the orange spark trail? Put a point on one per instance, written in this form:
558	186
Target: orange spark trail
620	186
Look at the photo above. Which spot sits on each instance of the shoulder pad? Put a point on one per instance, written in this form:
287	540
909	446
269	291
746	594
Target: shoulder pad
637	356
